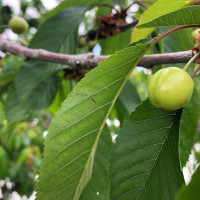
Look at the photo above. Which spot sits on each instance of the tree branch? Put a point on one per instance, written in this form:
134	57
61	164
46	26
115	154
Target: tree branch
88	61
149	61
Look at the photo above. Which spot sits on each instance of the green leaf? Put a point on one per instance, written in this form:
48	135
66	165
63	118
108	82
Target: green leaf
142	41
41	97
61	95
7	133
6	78
189	127
119	2
180	44
2	116
98	187
4	161
13	109
192	190
62	25
161	7
144	162
128	99
74	132
115	43
187	15
52	35
197	156
66	4
103	11
157	48
11	63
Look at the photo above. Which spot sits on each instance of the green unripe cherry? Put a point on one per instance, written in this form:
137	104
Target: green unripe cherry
170	88
18	25
82	42
195	33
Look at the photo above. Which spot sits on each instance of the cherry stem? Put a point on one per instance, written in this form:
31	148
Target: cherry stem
196	71
166	33
191	61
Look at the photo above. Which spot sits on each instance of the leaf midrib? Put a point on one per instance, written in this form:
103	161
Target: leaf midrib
101	128
155	160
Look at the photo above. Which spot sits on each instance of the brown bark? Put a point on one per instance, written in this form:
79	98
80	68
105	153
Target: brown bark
88	61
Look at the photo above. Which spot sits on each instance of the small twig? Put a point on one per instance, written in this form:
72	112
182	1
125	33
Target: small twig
166	33
192	60
140	3
196	71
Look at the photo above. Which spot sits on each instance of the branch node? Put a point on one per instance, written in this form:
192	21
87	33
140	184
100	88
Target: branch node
77	63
